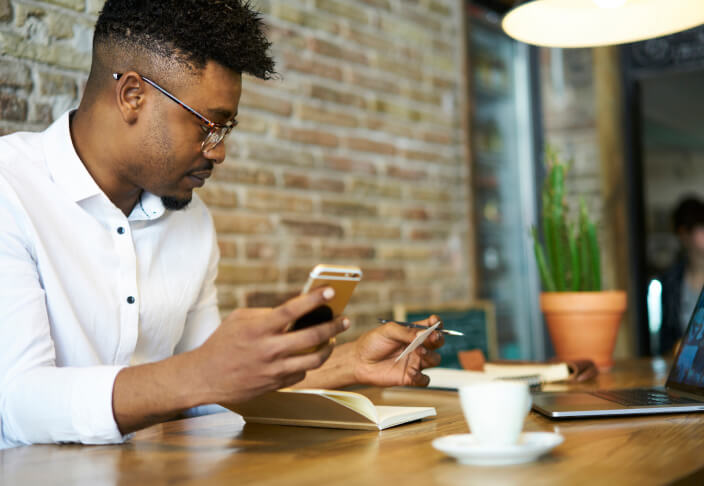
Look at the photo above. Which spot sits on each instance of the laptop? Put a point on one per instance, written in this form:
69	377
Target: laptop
683	391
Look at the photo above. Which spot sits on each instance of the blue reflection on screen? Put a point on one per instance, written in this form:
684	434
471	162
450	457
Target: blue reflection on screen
689	367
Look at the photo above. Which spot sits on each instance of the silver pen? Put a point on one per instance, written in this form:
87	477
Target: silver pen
418	326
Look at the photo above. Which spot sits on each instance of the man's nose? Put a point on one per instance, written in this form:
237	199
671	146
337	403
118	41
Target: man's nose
217	154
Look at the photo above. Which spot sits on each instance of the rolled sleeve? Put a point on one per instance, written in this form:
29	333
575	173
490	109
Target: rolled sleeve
50	404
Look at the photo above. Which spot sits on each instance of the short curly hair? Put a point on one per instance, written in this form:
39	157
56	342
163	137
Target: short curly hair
229	32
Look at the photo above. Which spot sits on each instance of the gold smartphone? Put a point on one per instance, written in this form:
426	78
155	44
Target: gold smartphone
343	279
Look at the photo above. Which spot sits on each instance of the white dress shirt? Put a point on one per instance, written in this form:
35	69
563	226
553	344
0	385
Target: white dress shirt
85	291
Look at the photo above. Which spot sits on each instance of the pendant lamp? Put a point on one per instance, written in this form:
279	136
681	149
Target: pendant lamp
591	23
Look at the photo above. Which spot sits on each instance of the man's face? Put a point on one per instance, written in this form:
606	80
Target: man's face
173	163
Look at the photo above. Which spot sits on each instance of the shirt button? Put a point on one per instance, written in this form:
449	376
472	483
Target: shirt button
130	300
120	230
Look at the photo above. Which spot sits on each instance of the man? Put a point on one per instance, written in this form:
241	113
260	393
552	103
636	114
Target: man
683	280
108	315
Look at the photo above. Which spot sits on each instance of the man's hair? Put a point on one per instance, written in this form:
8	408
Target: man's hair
192	32
688	214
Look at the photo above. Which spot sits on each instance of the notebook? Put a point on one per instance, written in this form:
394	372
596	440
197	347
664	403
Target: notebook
336	409
683	391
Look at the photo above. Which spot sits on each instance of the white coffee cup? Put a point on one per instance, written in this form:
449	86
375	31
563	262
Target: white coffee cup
495	410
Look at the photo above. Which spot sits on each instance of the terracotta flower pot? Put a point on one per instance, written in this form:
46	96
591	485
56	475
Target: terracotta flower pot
584	324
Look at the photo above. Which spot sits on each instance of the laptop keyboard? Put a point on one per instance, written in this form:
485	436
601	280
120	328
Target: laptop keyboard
642	397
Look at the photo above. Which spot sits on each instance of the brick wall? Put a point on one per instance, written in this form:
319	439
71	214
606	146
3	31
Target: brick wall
355	156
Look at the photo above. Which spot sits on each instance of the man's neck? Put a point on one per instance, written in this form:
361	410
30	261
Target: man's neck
97	158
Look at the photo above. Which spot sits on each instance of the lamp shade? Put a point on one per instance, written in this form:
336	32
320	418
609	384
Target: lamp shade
591	23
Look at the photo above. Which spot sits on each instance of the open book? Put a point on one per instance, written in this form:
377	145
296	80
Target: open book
326	408
533	374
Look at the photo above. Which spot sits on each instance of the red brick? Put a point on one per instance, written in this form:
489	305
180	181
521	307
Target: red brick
228	247
278	201
252	99
326	117
388	125
337	52
375	83
368	39
348	208
447	84
366	145
312	228
234	172
347	252
277	153
336	96
215	194
289	37
296	181
12	107
262	250
383	274
307	136
411	296
295	62
5	10
302	249
406	173
246	274
372	187
364	229
41	113
297	274
349	165
379	4
329	185
343	10
417	213
407	71
229	221
443	138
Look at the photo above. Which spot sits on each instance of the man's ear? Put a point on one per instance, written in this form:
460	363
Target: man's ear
130	96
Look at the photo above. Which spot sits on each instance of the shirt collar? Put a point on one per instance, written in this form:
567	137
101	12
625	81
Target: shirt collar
67	171
63	162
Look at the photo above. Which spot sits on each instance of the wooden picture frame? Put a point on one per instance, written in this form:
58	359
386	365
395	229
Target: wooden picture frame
477	320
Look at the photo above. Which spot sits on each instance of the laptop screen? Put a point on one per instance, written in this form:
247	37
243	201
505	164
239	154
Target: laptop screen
687	372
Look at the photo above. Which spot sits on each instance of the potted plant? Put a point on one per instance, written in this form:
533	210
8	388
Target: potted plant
582	318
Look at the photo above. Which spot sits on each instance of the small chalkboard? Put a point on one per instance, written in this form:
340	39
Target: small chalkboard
476	321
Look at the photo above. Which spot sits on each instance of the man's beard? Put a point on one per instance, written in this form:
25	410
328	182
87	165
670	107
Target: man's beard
174	203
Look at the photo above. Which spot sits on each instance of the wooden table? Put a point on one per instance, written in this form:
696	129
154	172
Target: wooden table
219	449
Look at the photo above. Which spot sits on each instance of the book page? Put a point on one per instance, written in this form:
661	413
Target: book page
453	379
390	416
546	372
356	401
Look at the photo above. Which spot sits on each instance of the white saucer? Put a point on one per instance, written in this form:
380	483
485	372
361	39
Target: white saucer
466	450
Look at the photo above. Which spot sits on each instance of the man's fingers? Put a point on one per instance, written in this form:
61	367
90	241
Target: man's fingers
302	339
298	306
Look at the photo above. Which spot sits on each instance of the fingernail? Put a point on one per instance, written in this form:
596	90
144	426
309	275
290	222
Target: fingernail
346	323
329	293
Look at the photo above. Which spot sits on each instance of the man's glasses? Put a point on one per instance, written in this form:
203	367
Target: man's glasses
216	132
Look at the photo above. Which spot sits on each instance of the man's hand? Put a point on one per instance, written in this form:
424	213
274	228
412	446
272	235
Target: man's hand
249	354
370	360
375	355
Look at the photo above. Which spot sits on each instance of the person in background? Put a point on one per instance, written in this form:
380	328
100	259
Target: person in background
108	313
684	279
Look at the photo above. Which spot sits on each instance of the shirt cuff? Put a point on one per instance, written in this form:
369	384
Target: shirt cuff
91	405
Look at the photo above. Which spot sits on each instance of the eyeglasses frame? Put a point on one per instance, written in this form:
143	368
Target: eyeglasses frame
213	128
